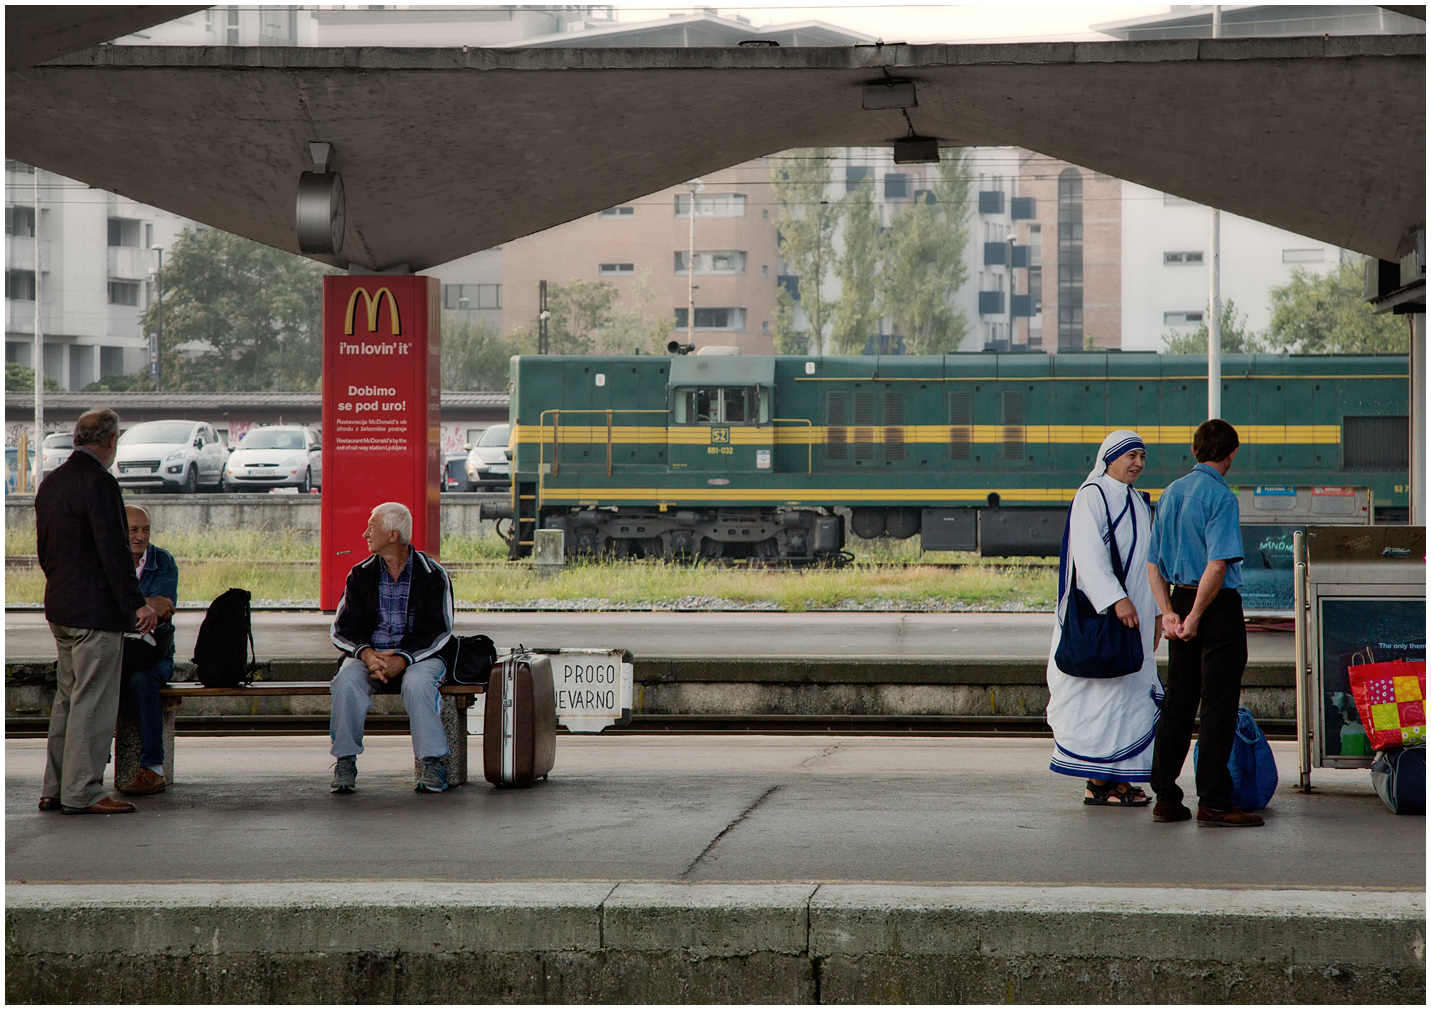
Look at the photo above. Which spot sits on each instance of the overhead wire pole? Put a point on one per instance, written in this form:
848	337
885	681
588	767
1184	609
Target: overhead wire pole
39	362
695	186
1214	323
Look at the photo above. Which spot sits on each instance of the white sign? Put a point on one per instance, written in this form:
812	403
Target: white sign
593	688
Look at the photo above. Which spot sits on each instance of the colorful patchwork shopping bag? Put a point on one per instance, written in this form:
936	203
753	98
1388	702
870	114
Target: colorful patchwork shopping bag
1391	700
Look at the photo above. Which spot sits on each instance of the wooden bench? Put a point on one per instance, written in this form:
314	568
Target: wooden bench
456	700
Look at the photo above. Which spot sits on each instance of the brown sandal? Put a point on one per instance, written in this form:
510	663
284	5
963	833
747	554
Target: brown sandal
1115	794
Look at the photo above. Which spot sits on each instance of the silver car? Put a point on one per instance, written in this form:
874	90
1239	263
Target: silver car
170	456
55	450
280	455
488	466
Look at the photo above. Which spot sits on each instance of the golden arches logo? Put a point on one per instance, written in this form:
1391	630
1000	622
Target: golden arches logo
372	303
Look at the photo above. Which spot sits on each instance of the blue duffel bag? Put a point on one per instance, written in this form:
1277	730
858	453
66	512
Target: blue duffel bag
1254	771
1399	777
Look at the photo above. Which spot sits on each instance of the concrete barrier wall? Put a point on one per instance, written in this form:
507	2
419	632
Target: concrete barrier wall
720	943
278	513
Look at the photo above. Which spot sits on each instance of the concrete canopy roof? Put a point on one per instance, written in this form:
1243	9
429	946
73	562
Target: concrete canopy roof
444	151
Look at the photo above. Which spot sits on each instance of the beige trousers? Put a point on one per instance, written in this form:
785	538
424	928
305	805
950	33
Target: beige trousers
82	717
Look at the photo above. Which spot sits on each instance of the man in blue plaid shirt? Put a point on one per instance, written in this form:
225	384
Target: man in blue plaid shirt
392	622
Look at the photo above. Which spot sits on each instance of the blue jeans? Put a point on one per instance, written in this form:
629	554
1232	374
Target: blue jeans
352	691
140	696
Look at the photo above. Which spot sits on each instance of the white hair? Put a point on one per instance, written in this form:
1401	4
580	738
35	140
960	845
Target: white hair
395	518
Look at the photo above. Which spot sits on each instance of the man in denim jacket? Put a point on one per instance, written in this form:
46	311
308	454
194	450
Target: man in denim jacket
139	691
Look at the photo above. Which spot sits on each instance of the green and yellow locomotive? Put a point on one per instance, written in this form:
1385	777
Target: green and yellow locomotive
737	456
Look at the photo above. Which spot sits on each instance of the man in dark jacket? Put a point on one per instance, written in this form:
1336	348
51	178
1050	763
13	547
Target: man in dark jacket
92	598
392	622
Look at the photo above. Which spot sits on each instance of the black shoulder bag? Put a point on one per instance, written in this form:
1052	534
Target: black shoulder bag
1094	645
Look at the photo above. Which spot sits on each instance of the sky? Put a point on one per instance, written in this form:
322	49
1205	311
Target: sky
927	22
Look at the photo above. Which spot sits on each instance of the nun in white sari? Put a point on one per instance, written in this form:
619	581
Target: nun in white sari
1103	728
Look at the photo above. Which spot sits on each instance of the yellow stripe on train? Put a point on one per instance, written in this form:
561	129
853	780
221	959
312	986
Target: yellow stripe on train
802	496
1054	434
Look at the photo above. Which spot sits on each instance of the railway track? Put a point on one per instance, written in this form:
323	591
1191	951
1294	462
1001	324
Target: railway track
34	727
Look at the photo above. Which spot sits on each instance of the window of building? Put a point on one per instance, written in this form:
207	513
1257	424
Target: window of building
897	186
765	326
765	270
1070	260
725	261
618	212
20	285
615	269
124	292
1304	255
1036	286
471	296
856	174
124	231
231	34
20	221
1181	258
1192	317
765	214
711	205
713	319
111	361
19	166
1035	245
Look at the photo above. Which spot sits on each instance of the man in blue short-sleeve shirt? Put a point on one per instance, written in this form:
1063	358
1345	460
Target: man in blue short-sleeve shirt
1195	568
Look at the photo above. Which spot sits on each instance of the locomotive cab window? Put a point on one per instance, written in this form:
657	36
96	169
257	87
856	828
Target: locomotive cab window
722	405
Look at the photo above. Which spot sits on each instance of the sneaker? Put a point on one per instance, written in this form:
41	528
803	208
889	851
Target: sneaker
433	778
345	775
1166	812
1230	818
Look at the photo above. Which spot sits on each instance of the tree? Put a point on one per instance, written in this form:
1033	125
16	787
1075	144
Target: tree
21	379
855	313
1327	314
924	264
799	180
248	317
476	356
1235	337
589	317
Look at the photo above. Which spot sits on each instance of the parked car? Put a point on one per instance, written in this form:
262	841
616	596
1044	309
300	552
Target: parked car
454	472
280	455
55	450
172	455
12	471
488	466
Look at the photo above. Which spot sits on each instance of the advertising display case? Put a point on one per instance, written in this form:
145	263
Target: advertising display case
1360	599
382	417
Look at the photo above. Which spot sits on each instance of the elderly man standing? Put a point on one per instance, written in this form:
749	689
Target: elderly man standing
1196	548
159	582
92	598
392	622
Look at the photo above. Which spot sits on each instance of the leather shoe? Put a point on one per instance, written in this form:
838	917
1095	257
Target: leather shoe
1230	818
48	803
146	783
1166	812
105	805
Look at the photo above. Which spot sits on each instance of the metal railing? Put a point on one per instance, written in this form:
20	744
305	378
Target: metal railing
556	434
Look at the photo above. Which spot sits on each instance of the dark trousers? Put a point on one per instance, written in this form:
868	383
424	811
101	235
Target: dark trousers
139	694
1206	671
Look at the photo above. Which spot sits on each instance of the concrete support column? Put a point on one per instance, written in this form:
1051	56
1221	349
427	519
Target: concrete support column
1417	472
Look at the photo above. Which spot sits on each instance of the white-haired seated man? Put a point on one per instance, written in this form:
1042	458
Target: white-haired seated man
392	622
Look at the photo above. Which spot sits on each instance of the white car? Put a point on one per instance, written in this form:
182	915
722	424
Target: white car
488	466
170	456
280	455
54	451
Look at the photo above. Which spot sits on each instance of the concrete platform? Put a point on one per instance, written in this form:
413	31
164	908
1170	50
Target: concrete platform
750	869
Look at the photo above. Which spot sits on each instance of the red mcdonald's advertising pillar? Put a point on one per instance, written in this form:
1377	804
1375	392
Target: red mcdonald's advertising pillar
381	414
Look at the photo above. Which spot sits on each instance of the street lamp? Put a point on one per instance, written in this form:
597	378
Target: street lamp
156	354
694	187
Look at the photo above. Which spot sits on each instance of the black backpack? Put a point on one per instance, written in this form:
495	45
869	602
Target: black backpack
468	658
220	655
